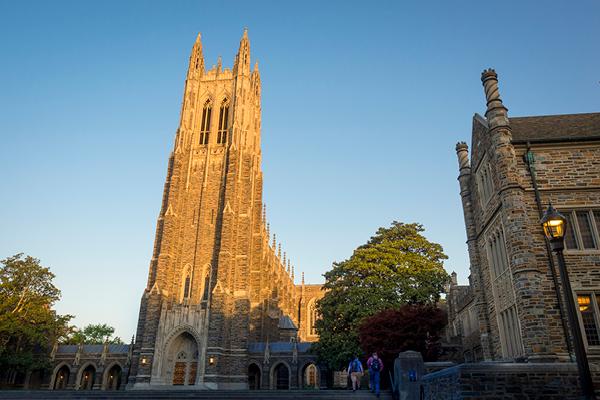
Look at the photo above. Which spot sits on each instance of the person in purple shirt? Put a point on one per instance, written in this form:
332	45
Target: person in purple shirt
375	365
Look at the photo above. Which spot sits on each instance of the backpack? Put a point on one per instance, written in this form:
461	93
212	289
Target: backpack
355	366
375	365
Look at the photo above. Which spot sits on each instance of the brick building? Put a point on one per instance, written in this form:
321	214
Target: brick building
517	166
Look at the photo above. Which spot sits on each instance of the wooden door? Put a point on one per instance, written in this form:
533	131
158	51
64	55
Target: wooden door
193	369
179	373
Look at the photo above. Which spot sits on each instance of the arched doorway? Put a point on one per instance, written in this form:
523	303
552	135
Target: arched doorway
253	377
310	376
281	377
182	360
113	378
61	380
88	377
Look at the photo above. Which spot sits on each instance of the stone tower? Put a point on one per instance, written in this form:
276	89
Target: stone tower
215	282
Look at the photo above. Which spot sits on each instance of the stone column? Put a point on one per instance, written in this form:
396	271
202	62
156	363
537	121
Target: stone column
464	179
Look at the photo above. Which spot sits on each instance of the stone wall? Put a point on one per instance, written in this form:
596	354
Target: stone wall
486	380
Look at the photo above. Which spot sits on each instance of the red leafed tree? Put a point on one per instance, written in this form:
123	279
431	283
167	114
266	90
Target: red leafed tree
411	327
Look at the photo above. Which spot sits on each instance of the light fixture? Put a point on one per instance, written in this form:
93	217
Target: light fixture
211	360
554	225
584	302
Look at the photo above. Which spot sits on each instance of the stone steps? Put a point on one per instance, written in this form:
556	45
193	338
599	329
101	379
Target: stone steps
188	394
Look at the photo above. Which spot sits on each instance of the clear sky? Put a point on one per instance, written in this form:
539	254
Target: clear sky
363	103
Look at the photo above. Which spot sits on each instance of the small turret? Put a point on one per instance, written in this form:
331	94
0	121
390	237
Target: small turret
241	65
462	152
496	114
196	67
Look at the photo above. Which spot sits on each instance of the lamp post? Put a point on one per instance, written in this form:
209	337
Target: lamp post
554	228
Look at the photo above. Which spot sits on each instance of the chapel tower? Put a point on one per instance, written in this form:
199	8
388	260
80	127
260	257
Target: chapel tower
215	282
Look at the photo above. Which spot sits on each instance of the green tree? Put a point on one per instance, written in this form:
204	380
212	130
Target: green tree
93	334
28	324
396	266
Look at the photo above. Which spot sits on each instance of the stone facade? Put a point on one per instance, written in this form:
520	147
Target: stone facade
218	283
518	166
463	325
89	367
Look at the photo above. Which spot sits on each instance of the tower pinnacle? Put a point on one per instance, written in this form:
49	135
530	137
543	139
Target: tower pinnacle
196	67
242	59
496	113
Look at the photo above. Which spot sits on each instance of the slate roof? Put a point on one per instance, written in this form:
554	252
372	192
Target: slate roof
285	322
93	348
278	347
551	128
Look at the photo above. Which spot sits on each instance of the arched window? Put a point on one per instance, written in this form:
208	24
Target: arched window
206	287
186	288
205	123
223	121
312	318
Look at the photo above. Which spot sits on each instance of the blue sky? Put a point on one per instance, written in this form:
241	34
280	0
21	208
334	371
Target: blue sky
363	103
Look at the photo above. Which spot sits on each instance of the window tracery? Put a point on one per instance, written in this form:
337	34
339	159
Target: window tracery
205	123
223	122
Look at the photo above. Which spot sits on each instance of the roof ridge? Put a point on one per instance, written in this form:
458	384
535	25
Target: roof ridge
556	115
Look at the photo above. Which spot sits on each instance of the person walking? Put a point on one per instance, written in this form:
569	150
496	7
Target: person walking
375	365
355	370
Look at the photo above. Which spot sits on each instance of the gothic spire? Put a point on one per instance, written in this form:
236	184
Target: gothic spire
242	59
196	67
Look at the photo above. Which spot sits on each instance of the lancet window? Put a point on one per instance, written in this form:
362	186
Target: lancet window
503	291
186	284
186	288
206	287
312	318
205	123
485	183
223	121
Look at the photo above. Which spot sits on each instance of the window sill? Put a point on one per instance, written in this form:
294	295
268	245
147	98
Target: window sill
569	252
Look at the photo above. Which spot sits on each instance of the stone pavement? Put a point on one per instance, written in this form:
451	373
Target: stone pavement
187	394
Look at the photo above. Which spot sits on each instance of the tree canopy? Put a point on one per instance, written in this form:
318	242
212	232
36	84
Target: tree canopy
28	324
411	327
93	334
397	266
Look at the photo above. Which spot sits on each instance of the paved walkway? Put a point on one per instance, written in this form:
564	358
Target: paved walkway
187	394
